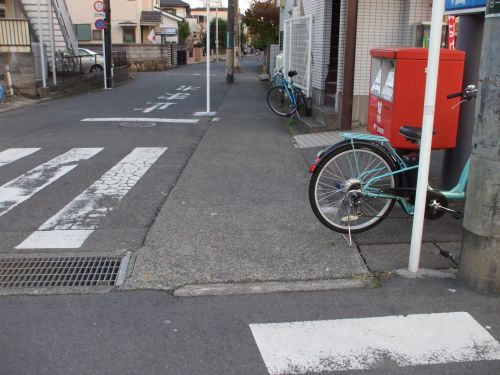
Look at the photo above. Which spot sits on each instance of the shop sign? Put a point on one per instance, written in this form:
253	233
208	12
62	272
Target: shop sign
464	4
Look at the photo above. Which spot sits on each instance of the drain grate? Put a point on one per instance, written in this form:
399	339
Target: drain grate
62	271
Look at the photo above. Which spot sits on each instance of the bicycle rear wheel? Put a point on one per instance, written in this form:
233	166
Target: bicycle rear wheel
280	102
336	189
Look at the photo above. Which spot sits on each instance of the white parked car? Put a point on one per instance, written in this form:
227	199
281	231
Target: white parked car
86	61
91	61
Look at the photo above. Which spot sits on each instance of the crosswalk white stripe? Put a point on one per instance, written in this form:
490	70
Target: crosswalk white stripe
71	226
13	154
31	182
358	344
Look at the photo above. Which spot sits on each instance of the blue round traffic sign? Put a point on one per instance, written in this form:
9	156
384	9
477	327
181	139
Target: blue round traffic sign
100	24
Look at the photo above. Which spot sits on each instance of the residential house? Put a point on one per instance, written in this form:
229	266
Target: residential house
176	7
20	37
198	18
313	35
132	21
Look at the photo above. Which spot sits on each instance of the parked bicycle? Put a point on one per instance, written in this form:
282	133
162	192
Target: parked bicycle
285	98
356	182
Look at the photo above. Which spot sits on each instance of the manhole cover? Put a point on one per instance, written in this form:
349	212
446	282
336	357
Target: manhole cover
137	124
62	271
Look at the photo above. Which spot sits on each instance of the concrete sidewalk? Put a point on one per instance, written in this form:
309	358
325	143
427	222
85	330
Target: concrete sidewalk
239	219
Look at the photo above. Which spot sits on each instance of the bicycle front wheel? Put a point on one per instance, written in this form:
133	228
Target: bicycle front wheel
336	190
280	102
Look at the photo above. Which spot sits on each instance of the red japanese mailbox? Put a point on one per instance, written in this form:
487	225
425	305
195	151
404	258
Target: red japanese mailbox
397	89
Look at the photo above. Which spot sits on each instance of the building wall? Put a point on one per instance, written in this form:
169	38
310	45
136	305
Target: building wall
322	16
384	23
82	12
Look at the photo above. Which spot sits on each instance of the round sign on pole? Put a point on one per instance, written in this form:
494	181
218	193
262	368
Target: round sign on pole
99	6
100	24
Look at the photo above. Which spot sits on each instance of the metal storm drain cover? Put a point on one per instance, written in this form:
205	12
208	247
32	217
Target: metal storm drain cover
63	271
137	124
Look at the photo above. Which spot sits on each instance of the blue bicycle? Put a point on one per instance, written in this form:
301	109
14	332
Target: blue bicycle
284	98
356	182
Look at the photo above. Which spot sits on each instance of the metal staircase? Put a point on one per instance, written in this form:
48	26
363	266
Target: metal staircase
64	35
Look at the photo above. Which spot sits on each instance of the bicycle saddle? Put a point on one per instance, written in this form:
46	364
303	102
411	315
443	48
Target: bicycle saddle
292	73
412	133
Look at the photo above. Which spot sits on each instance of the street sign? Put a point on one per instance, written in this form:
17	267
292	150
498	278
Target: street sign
168	31
464	4
99	6
100	24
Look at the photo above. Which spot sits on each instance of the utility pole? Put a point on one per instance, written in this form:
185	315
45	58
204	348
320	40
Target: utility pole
107	42
480	257
236	35
230	42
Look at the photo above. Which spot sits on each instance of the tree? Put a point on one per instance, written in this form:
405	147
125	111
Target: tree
184	31
222	34
262	19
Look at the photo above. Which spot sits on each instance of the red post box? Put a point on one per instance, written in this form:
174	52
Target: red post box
397	89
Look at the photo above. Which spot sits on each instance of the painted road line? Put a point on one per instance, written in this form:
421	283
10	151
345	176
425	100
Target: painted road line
28	184
13	154
71	226
361	344
140	119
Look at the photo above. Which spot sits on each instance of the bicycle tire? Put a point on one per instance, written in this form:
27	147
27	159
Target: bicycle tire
342	169
279	101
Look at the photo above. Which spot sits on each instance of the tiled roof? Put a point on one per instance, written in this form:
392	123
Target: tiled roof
150	17
173	3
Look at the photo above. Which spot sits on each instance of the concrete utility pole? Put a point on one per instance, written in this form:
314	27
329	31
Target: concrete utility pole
480	258
230	42
107	43
236	35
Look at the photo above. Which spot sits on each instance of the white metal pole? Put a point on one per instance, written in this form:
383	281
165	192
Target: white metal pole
217	33
208	56
42	55
104	60
426	140
52	43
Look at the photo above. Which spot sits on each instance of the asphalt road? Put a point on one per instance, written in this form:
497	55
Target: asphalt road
121	218
151	332
155	332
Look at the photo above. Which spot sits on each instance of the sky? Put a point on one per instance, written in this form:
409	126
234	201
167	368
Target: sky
199	3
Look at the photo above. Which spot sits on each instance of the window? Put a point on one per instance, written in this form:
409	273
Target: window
171	11
129	35
96	34
82	32
2	9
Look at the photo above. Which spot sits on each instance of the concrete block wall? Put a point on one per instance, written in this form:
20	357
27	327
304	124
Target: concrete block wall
22	71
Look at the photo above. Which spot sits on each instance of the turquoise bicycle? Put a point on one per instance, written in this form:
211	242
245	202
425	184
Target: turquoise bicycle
284	98
355	183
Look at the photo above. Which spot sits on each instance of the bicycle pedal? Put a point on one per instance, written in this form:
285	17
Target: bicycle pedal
457	215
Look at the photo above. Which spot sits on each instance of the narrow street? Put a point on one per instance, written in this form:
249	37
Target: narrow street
227	270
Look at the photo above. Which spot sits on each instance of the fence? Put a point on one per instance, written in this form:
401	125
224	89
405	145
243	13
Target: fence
119	59
14	32
79	65
297	50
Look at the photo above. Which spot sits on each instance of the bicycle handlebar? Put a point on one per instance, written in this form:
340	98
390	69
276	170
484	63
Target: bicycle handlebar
455	95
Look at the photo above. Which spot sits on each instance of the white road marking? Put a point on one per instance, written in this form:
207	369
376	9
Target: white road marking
139	119
359	344
188	88
152	108
13	154
83	214
176	96
204	114
28	184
